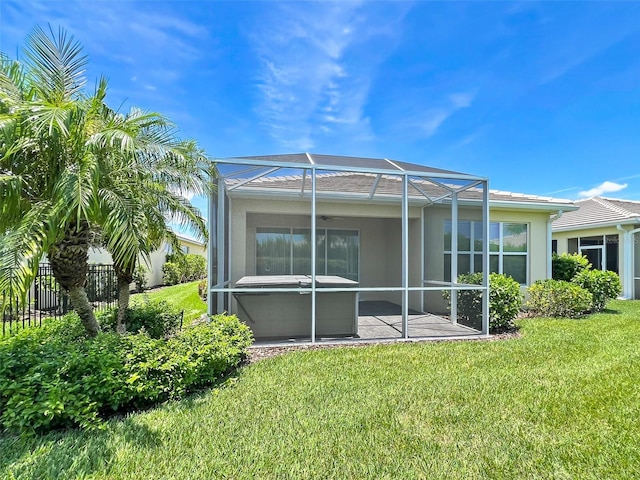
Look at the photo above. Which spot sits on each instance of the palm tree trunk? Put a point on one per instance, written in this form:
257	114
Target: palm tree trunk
123	304
81	305
125	277
69	259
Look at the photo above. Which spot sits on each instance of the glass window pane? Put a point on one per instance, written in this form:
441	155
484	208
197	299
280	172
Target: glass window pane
477	236
301	242
447	267
273	251
321	254
464	264
342	253
514	237
591	241
515	266
494	237
464	236
494	264
572	245
477	263
447	235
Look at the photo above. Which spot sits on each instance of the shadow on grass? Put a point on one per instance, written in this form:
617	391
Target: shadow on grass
74	453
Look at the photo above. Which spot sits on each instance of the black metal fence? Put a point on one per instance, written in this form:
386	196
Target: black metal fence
46	299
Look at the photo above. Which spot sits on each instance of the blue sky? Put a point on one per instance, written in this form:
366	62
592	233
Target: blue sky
542	98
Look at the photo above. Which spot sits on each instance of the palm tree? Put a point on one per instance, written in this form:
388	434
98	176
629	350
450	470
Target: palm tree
148	180
58	149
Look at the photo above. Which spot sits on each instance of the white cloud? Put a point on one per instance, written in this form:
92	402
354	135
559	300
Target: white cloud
604	187
308	89
436	117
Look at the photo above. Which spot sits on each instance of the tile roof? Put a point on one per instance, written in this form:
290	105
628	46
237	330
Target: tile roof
599	211
362	184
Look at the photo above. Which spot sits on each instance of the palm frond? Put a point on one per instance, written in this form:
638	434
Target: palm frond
56	65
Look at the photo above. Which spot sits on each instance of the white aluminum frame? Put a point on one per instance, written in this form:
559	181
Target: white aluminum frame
438	178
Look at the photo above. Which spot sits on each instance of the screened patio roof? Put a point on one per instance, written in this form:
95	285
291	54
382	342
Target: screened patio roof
314	176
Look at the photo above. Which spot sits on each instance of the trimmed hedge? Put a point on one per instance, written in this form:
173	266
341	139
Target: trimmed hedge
158	318
557	298
568	265
182	268
505	301
53	377
603	285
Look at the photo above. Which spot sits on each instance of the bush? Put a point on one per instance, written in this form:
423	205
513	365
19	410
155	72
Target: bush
568	265
203	290
53	377
171	274
158	318
557	298
604	286
195	267
184	268
140	278
505	301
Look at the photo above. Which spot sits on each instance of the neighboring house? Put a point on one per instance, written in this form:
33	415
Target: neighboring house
388	227
157	258
605	230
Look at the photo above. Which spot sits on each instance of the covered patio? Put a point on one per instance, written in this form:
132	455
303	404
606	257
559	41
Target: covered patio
384	257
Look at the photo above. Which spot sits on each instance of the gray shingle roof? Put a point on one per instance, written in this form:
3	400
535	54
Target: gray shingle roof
362	184
599	211
344	161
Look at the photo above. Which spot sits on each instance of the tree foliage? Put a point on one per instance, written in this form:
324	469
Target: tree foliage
74	172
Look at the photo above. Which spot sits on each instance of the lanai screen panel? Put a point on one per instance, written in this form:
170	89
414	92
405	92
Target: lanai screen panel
349	179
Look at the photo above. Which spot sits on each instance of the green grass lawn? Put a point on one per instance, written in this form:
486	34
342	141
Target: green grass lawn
562	401
183	297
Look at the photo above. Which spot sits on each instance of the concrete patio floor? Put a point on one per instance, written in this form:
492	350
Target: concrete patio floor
382	321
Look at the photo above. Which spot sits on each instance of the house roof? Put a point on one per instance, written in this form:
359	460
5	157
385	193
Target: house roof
371	186
597	212
339	162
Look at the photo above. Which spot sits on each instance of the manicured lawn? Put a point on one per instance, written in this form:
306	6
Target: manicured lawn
561	401
183	297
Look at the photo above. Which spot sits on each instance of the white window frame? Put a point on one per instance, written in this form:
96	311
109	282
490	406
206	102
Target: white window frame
318	231
500	253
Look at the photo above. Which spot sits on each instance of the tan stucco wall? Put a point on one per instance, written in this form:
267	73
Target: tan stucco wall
563	245
157	259
434	244
380	239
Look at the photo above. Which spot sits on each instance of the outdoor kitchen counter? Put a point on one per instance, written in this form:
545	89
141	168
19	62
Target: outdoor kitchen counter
277	315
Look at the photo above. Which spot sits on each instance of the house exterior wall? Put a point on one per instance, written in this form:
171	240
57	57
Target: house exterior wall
625	266
380	229
157	259
378	226
435	216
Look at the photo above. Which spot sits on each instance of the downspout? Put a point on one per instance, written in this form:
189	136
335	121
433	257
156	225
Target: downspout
552	218
627	262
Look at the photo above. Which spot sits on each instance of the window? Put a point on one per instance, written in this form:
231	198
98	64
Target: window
601	250
287	251
508	248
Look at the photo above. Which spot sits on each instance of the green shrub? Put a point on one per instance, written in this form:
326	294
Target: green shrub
184	268
505	301
203	290
171	274
568	265
53	377
140	278
604	286
158	318
195	267
557	298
